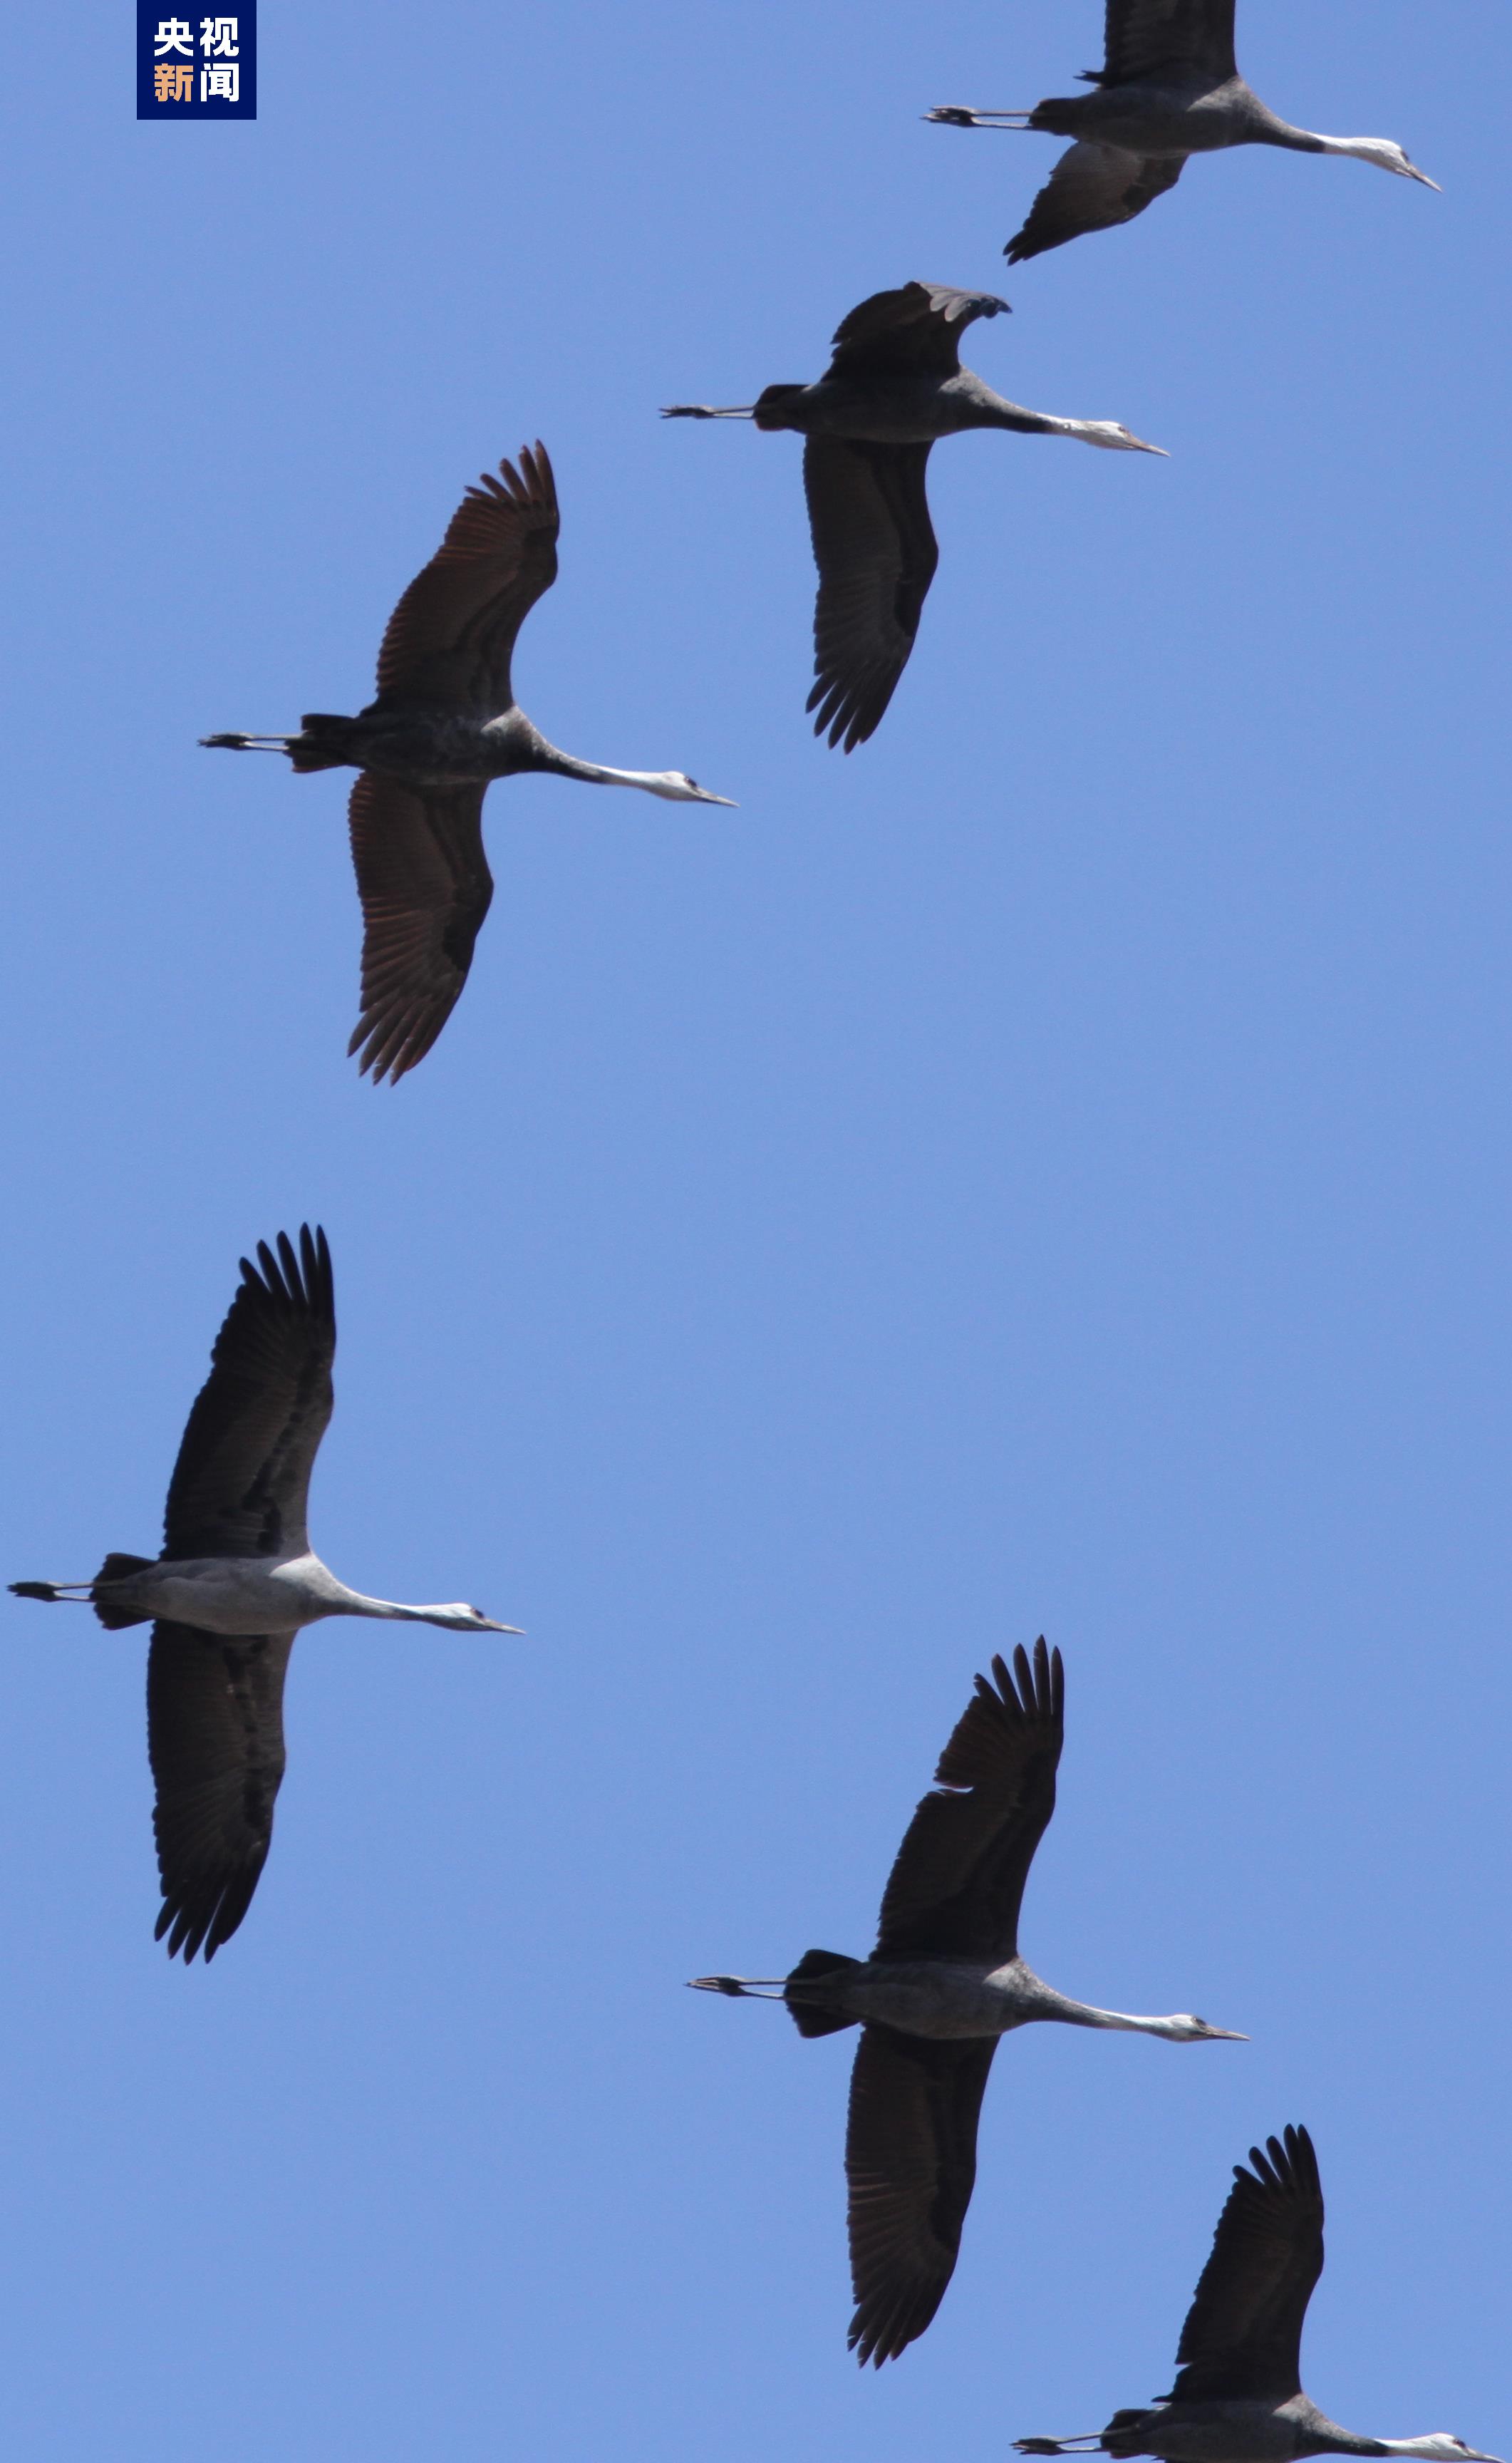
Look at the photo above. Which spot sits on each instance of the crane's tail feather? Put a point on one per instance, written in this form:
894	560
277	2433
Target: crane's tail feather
817	1969
118	1566
322	742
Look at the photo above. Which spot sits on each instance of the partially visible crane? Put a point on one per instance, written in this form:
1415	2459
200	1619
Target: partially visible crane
1169	88
1238	2397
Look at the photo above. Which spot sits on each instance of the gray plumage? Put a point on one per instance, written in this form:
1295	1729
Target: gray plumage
1169	88
945	1981
235	1582
1237	2396
444	725
893	386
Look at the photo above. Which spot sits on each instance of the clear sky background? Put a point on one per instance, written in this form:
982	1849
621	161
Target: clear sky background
1046	1172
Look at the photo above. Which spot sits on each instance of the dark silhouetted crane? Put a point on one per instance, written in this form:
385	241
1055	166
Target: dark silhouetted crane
895	385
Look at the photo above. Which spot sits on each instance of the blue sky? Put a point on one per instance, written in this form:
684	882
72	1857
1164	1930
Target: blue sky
1046	1172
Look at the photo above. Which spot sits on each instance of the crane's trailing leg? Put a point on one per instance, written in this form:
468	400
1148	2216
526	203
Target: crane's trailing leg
705	410
245	743
960	115
753	1988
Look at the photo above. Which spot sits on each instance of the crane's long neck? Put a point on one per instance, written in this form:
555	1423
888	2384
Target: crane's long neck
1084	2014
1325	2436
995	410
345	1601
565	765
1270	129
1306	140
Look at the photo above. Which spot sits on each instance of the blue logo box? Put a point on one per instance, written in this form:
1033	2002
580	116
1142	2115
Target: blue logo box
197	68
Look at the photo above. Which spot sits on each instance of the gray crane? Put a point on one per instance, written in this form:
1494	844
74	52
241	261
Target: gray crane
236	1580
895	384
1238	2397
1169	87
943	1983
445	723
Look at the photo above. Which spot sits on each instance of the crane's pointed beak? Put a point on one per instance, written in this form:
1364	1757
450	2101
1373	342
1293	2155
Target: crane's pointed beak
1413	173
1224	2035
728	801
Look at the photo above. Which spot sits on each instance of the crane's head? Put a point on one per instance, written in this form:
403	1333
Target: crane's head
459	1618
678	787
1437	2448
1115	438
1386	155
1184	2029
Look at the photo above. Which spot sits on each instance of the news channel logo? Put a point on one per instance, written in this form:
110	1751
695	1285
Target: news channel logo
196	68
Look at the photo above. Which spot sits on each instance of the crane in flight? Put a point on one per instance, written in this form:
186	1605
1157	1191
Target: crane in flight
1237	2396
895	385
944	1982
235	1582
1169	88
444	725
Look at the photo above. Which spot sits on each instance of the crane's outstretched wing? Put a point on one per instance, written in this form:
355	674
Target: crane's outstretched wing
1142	37
874	546
1092	188
914	332
241	1485
450	639
954	1890
910	2163
1242	2336
425	888
215	1736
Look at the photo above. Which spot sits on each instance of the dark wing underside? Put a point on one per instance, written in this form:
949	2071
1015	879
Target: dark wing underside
215	1736
425	888
1242	2336
1142	37
1092	188
913	332
956	1884
874	546
450	639
241	1484
910	2163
